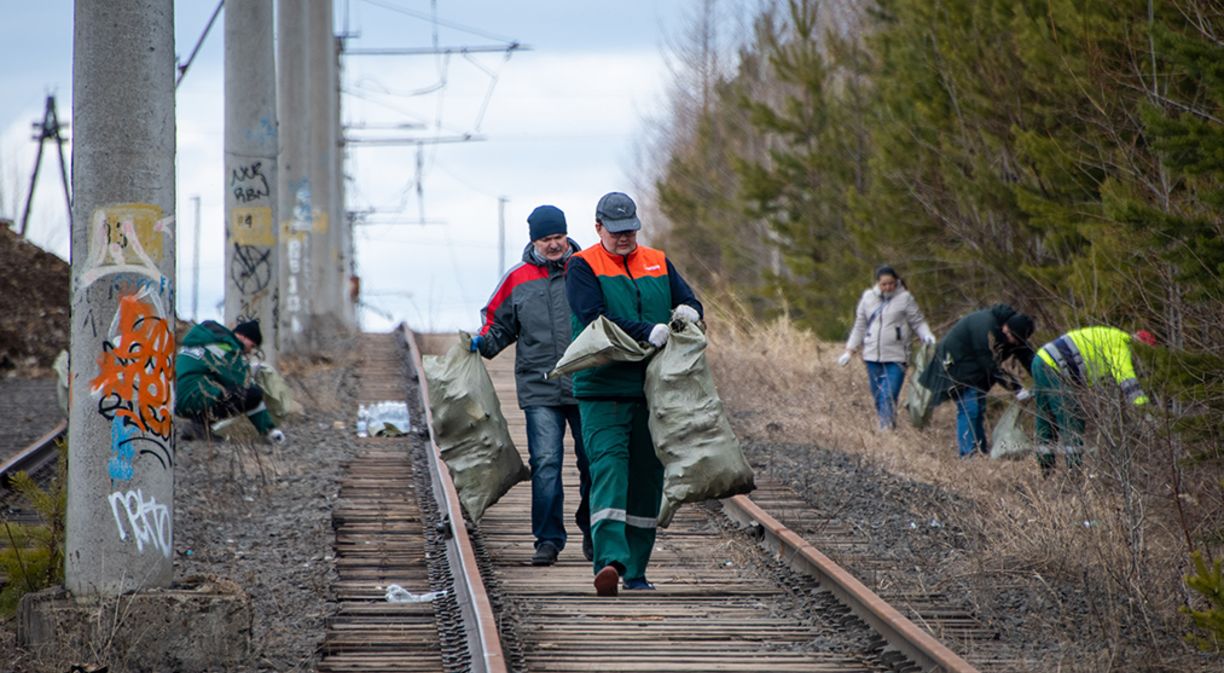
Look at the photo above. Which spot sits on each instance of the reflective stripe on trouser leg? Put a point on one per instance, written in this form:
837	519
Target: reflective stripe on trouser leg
626	483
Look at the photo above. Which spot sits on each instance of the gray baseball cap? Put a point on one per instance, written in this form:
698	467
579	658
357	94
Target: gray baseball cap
618	213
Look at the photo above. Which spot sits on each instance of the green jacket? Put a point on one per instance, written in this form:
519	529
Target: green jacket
210	366
972	353
636	291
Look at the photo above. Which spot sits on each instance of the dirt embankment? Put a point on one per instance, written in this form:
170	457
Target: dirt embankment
1076	573
34	303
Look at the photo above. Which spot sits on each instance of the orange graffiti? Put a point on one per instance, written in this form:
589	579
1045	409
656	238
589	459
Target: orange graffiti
136	369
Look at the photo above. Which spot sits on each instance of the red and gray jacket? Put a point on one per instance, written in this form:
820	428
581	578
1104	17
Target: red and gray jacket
529	308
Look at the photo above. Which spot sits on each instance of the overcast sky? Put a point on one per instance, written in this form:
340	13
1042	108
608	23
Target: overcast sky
563	124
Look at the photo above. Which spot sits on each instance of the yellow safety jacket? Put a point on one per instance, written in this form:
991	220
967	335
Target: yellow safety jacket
1089	354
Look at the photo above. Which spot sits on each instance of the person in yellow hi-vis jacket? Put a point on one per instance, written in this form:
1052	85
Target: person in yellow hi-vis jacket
1079	358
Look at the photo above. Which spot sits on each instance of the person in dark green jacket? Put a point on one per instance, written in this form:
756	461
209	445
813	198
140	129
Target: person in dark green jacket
637	288
214	380
969	360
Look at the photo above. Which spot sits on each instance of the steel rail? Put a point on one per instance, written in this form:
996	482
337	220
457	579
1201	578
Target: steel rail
484	641
38	454
922	648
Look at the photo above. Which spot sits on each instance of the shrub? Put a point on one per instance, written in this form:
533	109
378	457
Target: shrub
34	559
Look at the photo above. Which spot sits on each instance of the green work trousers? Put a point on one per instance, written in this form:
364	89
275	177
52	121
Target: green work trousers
1059	417
626	483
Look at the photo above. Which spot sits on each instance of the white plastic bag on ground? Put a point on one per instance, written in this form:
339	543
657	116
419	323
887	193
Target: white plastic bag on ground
600	343
1008	438
469	428
398	594
918	398
701	457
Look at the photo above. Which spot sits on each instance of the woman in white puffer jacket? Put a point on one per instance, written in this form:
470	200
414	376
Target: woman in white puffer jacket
885	322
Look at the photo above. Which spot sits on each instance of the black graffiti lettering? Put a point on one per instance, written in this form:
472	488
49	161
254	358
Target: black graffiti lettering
114	234
248	183
245	173
251	269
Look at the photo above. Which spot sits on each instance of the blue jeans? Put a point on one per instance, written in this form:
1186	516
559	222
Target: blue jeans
545	445
970	417
885	379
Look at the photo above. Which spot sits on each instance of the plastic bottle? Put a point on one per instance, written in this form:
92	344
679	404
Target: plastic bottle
363	421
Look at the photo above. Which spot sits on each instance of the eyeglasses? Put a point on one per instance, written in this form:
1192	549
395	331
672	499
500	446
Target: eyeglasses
621	234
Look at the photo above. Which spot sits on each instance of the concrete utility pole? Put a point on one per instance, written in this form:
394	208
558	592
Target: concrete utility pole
120	430
195	261
294	193
251	238
501	235
344	225
327	258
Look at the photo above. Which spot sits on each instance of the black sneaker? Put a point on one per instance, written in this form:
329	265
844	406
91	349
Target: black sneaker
545	554
638	584
588	548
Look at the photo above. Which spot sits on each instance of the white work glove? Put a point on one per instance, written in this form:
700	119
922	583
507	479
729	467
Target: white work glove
276	436
658	335
1023	394
929	339
844	359
687	313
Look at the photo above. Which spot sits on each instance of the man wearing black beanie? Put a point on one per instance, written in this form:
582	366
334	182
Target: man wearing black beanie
969	360
529	308
213	379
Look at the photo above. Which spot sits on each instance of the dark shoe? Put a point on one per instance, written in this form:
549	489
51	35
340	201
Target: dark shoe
191	430
638	584
545	554
588	548
606	581
1046	462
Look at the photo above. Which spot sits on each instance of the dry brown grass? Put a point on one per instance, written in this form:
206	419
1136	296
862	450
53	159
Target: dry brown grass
1103	555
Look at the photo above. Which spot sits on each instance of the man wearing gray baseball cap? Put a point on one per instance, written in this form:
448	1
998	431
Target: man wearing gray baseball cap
637	288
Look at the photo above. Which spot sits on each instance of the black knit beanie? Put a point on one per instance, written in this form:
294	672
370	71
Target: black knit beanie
546	221
250	330
1021	326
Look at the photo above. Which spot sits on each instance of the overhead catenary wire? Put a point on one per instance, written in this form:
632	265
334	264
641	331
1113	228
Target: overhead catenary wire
442	22
371	90
182	69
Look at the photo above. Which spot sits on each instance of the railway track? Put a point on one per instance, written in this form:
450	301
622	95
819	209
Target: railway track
393	526
36	459
738	591
724	602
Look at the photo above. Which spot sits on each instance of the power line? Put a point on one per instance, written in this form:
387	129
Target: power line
396	142
442	22
211	20
426	51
